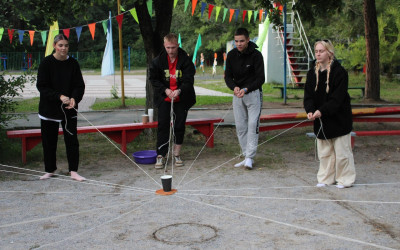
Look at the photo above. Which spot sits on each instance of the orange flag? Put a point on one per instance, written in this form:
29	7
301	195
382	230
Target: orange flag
194	3
92	28
260	15
231	11
31	35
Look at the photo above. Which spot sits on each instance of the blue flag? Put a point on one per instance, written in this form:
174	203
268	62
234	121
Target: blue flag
107	66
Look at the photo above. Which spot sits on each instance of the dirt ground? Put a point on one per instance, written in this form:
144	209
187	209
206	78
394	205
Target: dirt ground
274	206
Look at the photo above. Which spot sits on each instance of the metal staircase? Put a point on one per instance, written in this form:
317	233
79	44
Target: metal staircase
299	53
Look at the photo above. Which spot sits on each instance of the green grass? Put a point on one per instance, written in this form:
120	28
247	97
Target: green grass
27	105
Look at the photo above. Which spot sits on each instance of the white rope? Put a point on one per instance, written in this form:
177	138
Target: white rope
242	153
107	184
280	187
66	119
91	229
212	134
122	152
295	199
83	183
62	215
288	224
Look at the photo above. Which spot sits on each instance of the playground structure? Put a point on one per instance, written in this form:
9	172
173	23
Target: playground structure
298	50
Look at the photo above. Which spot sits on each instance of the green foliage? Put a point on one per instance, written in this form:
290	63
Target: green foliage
114	92
353	56
9	87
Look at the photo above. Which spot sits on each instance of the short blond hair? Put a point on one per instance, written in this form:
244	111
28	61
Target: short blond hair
171	37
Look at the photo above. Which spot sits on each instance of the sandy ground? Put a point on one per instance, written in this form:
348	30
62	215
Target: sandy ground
216	206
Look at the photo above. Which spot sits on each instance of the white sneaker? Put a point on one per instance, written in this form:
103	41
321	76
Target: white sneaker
240	164
178	161
340	186
160	162
321	185
248	163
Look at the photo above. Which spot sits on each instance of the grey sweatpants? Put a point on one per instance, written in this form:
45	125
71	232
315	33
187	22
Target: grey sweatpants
247	111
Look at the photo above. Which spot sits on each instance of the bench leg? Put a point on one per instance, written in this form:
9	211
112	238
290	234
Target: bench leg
281	92
123	137
207	130
24	149
28	143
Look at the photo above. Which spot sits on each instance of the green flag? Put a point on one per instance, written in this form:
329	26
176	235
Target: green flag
198	44
180	40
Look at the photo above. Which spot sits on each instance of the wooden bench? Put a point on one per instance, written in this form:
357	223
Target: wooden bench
301	88
119	133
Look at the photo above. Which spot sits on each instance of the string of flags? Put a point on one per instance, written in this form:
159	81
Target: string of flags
252	16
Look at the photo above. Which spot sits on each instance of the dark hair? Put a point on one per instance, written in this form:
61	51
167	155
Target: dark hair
242	31
60	37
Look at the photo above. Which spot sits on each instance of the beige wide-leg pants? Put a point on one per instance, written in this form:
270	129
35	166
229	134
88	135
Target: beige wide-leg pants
336	161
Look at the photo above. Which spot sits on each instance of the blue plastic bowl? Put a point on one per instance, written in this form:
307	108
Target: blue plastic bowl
145	157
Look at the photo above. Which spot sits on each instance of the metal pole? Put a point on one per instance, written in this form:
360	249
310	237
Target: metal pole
121	60
284	54
129	59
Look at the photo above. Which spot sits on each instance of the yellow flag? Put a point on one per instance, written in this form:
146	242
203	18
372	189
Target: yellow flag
50	39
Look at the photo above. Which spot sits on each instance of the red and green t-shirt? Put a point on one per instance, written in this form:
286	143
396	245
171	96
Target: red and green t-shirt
172	78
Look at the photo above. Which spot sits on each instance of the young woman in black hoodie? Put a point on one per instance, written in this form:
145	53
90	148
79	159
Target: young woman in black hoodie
327	103
61	88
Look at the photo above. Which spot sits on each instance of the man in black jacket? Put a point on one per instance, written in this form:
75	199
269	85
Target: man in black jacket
172	76
244	75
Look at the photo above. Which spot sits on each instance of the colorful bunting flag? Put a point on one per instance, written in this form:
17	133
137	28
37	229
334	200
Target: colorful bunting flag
255	16
225	11
210	9
244	15
66	32
180	40
198	44
260	15
175	2
194	3
236	15
218	9
31	35
249	16
21	35
120	18
104	23
92	28
10	34
150	7
1	33
231	11
78	32
203	7
134	14
107	65
43	34
50	39
186	4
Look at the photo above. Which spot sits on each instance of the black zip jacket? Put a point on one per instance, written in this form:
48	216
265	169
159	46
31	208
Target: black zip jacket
56	78
245	70
334	106
159	77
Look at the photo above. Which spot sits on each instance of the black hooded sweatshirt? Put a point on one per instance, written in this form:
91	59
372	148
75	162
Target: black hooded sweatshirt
245	70
159	77
334	106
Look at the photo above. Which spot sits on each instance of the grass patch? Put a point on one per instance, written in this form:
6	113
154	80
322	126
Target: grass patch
27	105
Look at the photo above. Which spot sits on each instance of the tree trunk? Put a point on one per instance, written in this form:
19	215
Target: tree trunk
372	81
153	36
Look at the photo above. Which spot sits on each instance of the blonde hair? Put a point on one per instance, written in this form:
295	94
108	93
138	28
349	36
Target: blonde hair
171	37
331	52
